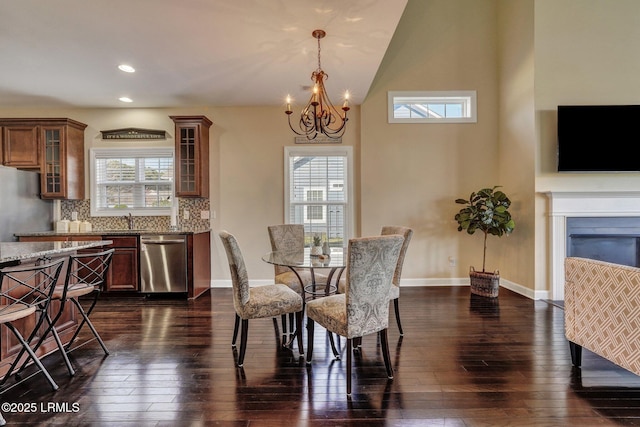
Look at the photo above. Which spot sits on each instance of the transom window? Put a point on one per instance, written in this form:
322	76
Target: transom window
432	107
126	180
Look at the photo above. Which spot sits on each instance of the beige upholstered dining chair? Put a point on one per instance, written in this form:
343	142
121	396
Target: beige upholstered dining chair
394	295
26	291
407	233
260	301
364	306
290	238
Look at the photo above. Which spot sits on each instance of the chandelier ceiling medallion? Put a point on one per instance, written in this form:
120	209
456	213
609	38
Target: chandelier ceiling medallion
320	116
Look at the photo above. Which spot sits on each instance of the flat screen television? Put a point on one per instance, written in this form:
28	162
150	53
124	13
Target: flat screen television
598	138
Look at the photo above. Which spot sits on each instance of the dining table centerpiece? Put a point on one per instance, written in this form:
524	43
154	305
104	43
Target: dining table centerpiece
316	248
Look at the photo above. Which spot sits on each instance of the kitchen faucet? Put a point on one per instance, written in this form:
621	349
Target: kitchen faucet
129	219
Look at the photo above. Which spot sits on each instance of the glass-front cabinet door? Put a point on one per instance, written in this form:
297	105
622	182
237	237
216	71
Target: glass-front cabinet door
192	156
53	164
62	159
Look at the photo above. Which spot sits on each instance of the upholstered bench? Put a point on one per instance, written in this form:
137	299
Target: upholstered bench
602	311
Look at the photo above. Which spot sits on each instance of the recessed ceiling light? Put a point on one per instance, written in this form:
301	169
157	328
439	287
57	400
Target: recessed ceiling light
125	99
126	68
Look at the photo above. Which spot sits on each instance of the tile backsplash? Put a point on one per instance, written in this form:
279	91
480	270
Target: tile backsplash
193	205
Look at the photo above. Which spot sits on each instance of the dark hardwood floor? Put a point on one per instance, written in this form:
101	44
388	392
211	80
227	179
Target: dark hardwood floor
462	362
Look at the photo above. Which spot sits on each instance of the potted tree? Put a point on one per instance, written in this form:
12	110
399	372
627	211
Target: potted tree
486	210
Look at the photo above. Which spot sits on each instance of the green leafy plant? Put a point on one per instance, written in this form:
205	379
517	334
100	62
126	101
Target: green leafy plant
486	210
317	241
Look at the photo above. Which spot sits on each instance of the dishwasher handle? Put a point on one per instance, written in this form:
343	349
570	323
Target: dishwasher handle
161	242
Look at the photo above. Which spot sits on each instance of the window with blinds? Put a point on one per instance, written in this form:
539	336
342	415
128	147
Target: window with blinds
139	181
317	190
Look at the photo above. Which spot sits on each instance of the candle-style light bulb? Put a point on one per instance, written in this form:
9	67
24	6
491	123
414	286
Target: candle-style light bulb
345	105
288	104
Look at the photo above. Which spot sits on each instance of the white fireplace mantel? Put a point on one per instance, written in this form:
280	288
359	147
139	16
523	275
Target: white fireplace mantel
564	204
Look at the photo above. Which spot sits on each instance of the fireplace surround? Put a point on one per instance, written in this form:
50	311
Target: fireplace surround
601	225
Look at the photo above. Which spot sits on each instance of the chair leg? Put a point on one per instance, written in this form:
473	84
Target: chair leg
348	366
384	345
309	340
576	354
243	342
33	357
85	320
52	329
397	310
335	351
41	318
283	318
357	343
236	325
299	320
291	323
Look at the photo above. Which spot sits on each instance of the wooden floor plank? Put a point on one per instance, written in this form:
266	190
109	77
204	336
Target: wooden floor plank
464	361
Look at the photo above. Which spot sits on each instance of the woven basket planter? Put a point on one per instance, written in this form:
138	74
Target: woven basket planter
484	283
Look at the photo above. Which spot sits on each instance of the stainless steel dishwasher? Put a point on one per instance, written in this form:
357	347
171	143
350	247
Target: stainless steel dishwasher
163	263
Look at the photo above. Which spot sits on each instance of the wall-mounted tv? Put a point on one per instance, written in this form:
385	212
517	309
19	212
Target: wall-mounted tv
598	138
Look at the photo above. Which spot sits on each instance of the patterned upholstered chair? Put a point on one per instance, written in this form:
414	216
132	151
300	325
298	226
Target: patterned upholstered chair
260	301
290	237
602	311
407	233
364	306
394	295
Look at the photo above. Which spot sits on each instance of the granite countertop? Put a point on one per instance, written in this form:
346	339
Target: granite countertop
121	232
10	252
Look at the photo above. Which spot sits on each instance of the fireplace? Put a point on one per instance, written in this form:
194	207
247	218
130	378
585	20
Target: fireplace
612	239
599	225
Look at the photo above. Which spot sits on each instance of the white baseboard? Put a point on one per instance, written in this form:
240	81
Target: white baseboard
455	281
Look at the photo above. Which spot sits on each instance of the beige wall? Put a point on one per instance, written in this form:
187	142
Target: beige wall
517	137
412	173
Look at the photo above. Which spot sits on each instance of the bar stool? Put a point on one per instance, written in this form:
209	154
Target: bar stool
86	275
27	291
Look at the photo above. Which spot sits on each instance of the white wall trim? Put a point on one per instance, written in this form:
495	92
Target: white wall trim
564	204
454	281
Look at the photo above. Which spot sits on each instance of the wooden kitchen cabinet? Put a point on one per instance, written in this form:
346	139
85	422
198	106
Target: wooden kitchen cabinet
20	145
198	264
54	147
123	273
192	156
62	164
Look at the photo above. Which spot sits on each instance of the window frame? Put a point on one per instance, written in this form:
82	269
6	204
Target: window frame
468	98
127	152
325	151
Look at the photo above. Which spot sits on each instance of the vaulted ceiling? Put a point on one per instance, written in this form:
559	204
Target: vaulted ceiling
65	53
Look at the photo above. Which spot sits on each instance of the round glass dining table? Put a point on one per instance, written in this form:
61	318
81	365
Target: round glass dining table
335	263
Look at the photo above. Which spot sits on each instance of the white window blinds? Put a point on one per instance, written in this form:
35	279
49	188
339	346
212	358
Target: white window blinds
317	189
131	180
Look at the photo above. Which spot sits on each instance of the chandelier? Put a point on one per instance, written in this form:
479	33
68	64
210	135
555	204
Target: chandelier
320	116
